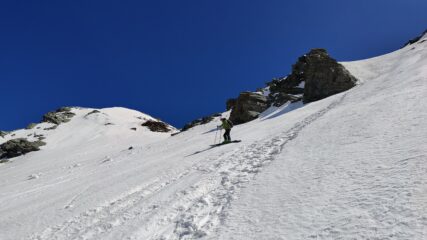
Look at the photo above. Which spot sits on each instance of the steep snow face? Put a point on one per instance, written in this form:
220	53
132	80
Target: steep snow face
357	172
351	166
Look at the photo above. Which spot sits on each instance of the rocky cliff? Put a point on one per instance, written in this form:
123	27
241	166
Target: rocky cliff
314	76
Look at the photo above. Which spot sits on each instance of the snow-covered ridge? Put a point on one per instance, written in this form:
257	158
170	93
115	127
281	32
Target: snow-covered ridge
90	127
420	39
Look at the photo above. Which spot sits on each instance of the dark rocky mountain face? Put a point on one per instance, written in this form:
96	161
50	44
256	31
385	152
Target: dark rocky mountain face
283	90
230	103
314	76
156	126
323	75
248	106
200	121
18	147
59	116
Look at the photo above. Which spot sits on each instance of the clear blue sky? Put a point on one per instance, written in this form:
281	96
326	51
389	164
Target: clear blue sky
177	60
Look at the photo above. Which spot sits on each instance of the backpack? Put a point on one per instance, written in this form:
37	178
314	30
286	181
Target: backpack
230	123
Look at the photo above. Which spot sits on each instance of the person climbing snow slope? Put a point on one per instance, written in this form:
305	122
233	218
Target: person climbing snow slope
226	125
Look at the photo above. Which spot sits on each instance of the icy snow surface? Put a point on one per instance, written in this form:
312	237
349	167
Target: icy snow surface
352	166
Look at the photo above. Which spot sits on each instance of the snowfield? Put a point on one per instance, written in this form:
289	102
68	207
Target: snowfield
351	166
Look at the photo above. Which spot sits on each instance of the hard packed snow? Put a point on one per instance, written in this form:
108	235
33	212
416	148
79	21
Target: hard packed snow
352	166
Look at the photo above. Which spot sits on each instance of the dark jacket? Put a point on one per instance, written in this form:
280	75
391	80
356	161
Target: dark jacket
226	125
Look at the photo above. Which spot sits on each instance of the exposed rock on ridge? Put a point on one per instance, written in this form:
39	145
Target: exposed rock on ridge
230	103
323	75
285	89
3	133
18	147
62	115
156	126
200	121
414	40
248	106
314	76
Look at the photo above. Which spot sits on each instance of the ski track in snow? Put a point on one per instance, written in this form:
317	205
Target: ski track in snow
179	205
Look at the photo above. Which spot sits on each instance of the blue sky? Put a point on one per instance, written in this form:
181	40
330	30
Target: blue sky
177	60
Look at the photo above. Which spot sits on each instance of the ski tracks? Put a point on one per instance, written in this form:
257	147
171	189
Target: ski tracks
102	219
186	205
230	175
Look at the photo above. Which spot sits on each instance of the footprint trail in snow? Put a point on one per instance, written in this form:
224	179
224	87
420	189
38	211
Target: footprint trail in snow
180	205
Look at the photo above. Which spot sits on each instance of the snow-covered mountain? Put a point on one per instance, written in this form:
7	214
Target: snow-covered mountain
87	130
350	166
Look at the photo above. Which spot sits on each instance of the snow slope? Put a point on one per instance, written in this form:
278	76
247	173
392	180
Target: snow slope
352	166
358	172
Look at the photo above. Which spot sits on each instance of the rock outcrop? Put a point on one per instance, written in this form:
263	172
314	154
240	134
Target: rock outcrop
230	103
51	128
315	75
156	126
291	84
200	121
248	106
31	126
285	89
62	115
323	75
281	98
3	133
414	40
18	147
92	112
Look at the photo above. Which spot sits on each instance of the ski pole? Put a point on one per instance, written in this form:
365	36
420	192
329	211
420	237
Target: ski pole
220	133
216	134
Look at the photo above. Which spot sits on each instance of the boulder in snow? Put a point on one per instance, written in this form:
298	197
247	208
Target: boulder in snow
314	76
248	107
3	133
18	147
156	126
323	75
51	128
62	115
93	112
